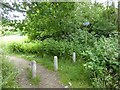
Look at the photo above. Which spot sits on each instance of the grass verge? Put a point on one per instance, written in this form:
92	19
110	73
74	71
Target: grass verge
8	74
34	81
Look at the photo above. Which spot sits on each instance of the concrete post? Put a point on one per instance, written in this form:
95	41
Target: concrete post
55	63
33	69
74	57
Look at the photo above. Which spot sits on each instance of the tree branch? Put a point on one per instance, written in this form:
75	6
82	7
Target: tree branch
8	6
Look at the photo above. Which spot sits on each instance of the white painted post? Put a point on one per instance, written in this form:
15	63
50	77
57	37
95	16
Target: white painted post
55	63
74	57
33	69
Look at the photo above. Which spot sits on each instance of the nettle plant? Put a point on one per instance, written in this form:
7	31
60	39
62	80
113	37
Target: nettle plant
103	63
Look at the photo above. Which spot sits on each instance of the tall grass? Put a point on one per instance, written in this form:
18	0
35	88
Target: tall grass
35	80
8	73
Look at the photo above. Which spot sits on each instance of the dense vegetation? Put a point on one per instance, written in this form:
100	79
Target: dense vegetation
9	73
60	29
60	20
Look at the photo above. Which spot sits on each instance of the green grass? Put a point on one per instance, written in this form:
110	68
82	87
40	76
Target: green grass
35	80
74	73
9	73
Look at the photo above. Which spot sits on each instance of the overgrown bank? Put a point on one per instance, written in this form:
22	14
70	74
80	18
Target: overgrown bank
100	57
8	74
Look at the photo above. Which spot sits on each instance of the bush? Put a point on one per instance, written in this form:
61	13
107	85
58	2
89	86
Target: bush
15	47
103	64
59	48
48	46
104	27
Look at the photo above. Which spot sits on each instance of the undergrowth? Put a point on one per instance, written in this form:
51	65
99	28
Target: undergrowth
98	57
9	73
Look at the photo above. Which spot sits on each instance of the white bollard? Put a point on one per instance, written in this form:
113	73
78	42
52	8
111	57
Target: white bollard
74	57
33	69
55	63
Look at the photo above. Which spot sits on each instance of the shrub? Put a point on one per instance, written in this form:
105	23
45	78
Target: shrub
104	27
15	47
102	61
59	48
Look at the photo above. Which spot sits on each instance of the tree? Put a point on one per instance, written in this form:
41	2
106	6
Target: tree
15	7
102	20
7	8
50	19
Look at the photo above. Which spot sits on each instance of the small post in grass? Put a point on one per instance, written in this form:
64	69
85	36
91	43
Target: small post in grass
33	69
74	57
55	63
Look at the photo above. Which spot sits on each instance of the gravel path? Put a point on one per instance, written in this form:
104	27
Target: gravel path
49	79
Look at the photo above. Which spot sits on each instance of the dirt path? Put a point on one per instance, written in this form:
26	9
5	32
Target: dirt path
49	79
